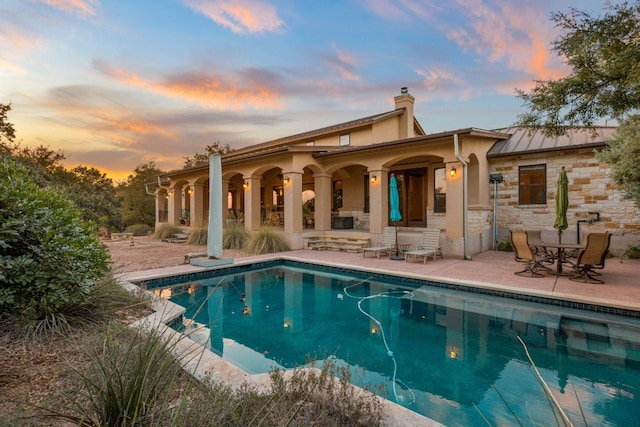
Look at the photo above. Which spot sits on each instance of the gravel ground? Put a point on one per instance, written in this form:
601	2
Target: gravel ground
145	253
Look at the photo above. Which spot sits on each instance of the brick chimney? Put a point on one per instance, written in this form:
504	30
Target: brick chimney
405	101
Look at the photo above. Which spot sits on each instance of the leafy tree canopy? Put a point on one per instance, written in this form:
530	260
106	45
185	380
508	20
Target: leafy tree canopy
201	159
604	55
137	206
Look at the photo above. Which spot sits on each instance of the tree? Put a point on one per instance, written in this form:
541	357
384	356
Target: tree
137	206
604	55
201	159
624	153
7	132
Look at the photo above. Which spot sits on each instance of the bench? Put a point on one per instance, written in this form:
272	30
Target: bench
345	244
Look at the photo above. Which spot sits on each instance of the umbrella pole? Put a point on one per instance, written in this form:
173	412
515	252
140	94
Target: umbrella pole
559	236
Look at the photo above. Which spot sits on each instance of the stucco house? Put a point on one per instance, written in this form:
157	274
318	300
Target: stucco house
473	184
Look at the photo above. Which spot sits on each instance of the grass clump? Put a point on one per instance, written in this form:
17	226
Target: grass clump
138	229
505	245
632	252
166	231
266	241
198	236
235	237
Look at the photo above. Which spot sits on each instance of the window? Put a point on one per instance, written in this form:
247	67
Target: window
366	194
345	139
532	185
440	190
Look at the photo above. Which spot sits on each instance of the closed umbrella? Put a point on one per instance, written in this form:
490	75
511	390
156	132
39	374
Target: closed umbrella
562	204
394	200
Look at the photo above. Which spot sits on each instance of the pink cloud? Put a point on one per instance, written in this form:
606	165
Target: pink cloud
83	7
250	88
240	16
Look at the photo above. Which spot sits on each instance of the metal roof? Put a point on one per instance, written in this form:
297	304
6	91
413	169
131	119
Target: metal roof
529	140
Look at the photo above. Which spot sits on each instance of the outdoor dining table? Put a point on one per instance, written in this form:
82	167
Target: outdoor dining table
559	255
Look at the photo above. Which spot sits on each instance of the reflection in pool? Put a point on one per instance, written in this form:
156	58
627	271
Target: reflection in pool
444	353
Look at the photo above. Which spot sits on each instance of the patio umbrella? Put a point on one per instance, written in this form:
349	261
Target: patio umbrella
214	235
394	200
562	204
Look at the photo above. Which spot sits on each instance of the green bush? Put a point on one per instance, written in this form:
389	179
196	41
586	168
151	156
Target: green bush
633	252
166	231
235	237
138	229
49	258
198	236
266	241
505	245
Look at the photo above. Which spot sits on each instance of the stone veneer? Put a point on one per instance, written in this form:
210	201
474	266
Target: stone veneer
590	190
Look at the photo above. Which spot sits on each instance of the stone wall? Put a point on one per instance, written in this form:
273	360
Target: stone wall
590	191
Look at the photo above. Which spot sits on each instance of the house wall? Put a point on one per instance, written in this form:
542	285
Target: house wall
590	190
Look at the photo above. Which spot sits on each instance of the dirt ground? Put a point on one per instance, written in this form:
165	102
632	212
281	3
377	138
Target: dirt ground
145	253
33	373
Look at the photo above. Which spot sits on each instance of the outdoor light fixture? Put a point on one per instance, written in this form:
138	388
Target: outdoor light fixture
245	184
169	194
285	180
189	190
452	172
373	179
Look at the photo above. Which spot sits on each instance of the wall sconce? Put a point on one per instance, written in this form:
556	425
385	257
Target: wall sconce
452	172
373	179
169	194
189	190
245	185
285	180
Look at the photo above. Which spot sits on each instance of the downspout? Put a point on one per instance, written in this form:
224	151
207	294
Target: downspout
465	236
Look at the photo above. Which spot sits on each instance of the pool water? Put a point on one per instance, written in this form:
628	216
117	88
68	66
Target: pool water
452	356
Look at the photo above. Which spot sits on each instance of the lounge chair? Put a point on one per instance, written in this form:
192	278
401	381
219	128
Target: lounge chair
429	246
526	254
387	243
592	257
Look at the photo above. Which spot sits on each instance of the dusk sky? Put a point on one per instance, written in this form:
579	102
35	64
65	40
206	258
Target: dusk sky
117	83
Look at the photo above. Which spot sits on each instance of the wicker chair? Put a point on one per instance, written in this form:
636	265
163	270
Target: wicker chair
525	254
592	258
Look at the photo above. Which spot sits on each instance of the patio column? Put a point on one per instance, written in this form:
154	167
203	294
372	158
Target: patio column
197	205
378	199
292	202
323	200
252	208
175	204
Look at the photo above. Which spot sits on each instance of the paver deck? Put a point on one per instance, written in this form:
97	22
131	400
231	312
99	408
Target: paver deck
488	269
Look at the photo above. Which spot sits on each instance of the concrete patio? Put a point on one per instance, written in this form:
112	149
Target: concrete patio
491	269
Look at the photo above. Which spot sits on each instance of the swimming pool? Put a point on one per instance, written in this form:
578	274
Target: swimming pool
437	349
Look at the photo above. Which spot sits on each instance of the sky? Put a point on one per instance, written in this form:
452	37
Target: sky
114	84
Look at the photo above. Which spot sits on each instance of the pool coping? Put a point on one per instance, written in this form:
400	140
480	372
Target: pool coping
203	364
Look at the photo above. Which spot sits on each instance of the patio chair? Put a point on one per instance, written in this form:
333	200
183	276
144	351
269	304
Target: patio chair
592	257
387	243
429	246
525	254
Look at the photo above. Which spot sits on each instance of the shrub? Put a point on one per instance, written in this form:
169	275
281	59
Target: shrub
49	258
138	229
633	252
266	241
166	231
505	245
198	236
235	237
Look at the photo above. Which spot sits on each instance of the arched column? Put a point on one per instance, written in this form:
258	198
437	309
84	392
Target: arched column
175	204
197	205
378	199
323	200
252	208
293	202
